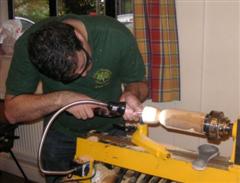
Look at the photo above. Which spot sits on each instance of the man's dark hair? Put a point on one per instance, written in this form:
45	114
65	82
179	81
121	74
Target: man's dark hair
52	49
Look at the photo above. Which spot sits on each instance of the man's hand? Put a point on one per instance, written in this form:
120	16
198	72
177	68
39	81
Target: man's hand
81	111
133	107
134	94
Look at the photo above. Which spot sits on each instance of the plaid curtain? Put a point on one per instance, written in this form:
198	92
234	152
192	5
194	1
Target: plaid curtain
155	29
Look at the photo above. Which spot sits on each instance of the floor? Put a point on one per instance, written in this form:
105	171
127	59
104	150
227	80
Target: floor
9	178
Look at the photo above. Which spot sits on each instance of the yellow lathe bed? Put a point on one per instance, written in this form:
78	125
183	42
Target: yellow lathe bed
149	157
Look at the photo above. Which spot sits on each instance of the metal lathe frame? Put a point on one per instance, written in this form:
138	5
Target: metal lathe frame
150	157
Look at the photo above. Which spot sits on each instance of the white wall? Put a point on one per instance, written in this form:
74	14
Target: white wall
209	37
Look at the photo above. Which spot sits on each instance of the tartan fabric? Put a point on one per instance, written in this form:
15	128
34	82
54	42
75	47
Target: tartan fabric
155	29
140	32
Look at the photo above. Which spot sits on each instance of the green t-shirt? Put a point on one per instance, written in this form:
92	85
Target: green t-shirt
116	61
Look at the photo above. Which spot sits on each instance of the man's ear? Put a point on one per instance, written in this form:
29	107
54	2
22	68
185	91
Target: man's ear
79	36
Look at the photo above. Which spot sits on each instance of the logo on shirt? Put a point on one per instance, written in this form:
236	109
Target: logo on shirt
102	77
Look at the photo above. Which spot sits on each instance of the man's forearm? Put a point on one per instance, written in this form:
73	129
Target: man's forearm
25	108
139	89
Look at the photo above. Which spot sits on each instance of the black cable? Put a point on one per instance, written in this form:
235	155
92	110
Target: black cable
81	179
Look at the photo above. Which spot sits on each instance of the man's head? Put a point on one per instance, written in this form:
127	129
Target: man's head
57	52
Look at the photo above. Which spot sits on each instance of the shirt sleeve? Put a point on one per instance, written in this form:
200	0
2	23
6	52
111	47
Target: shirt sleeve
132	65
23	77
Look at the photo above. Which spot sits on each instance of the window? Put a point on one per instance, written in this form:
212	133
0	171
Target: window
124	7
33	10
30	11
88	7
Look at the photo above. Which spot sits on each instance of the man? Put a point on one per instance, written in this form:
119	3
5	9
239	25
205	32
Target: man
75	58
